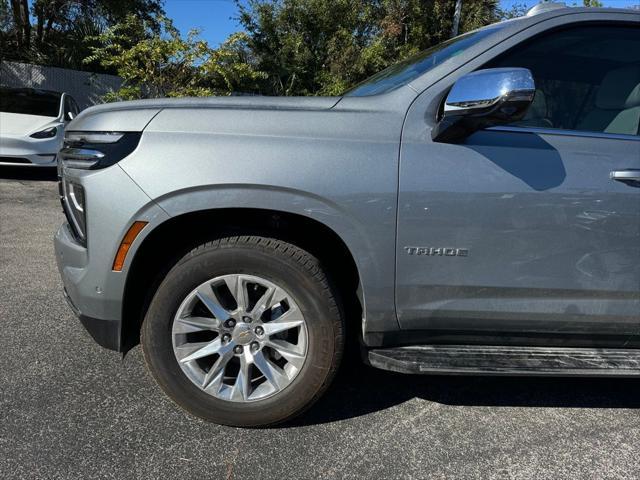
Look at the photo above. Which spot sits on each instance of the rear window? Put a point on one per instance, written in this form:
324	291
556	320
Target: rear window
45	104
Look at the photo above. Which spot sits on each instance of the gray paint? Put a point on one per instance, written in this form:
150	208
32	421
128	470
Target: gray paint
545	243
113	200
318	163
554	244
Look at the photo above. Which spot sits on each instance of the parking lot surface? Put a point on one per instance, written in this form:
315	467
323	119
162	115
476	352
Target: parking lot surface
70	409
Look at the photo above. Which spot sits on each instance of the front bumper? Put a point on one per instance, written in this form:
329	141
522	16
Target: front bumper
94	291
72	260
38	160
30	152
106	333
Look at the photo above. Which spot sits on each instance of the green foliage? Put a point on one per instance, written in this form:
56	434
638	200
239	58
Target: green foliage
516	10
164	64
56	32
288	47
319	46
5	16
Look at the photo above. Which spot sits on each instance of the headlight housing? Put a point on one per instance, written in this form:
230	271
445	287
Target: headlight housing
47	133
95	150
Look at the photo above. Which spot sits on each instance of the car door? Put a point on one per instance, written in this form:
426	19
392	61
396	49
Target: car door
531	232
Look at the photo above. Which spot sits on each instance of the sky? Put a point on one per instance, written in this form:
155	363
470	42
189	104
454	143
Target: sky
215	18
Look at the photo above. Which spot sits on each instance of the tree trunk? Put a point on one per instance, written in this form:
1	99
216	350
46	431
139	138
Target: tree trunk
20	10
456	18
39	12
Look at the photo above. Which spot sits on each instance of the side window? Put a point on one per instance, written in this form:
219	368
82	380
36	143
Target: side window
587	78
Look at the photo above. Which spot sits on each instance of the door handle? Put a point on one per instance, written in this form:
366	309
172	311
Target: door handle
630	177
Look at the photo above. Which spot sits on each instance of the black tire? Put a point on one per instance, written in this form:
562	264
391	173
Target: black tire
285	264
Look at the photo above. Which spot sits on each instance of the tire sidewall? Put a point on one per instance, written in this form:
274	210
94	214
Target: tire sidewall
312	298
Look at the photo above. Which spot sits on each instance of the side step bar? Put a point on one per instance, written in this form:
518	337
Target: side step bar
497	360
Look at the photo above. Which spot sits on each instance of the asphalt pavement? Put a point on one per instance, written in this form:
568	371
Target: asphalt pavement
70	409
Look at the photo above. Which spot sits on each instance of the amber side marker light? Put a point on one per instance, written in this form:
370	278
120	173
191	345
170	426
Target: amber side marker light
125	245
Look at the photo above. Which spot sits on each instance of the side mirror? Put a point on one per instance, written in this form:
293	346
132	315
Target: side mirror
484	98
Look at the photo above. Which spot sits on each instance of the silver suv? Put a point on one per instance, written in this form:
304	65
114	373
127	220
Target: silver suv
475	209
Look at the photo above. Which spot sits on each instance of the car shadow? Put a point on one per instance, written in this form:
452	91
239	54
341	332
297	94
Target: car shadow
360	390
523	155
46	174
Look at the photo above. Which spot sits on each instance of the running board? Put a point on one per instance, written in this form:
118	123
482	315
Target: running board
497	360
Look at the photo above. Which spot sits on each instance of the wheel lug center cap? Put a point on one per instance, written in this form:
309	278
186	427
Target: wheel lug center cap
242	334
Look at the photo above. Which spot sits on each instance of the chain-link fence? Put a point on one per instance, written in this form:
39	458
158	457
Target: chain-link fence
86	87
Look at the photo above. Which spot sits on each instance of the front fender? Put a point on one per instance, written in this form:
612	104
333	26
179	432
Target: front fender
373	273
337	167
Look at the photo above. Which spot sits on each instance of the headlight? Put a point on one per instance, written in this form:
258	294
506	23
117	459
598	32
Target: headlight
48	133
94	150
74	206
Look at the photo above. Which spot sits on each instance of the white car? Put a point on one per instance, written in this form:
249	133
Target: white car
32	125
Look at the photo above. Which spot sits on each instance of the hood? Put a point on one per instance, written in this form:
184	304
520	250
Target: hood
19	124
248	102
135	116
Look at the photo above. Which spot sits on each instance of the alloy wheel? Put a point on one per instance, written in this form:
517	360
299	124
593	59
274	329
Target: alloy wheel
240	338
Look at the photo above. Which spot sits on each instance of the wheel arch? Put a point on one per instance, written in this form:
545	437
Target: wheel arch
153	260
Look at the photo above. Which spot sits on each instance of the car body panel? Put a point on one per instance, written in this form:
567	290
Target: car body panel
102	119
134	116
94	288
18	124
320	164
552	244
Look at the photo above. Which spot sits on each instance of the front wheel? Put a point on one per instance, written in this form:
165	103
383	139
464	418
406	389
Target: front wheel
244	331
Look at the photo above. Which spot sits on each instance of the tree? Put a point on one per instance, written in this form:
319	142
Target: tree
22	23
6	21
304	47
164	64
54	32
321	46
516	10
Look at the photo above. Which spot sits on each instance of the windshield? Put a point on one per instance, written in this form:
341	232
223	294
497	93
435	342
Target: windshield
30	102
404	72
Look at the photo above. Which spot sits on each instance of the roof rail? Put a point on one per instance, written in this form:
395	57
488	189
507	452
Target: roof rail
543	7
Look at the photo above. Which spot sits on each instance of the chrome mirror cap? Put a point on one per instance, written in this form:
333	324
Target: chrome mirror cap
482	99
485	89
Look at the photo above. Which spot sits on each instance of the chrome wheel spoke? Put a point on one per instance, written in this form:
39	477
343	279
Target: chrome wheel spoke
238	288
196	324
263	304
242	386
213	379
291	353
206	296
272	373
194	351
290	319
